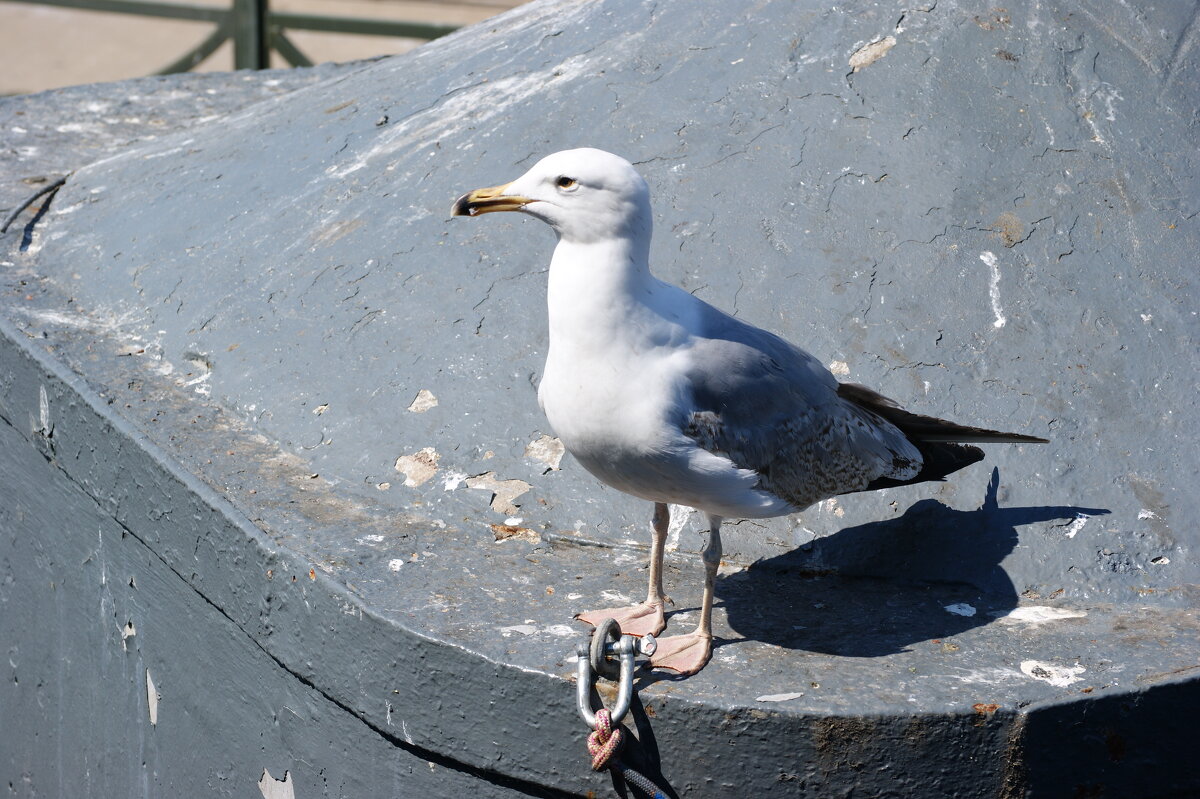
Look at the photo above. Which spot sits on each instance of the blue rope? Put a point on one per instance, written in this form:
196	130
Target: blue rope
637	780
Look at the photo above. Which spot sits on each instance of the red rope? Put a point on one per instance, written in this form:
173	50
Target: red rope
604	742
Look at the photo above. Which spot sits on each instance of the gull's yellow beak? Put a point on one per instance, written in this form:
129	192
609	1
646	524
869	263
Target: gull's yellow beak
484	201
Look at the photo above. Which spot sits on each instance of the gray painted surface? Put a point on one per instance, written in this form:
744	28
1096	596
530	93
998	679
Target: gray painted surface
229	323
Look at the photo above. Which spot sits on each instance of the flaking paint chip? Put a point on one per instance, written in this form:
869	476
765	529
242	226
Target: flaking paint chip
870	53
419	467
424	401
547	450
272	788
503	491
151	699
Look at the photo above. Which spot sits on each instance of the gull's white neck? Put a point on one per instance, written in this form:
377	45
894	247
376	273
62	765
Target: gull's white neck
594	287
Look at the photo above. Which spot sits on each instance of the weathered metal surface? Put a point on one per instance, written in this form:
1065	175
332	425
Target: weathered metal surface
992	218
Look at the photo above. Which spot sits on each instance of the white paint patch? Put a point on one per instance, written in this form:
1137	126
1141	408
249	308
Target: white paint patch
373	538
989	258
779	697
151	699
424	401
518	629
1058	676
272	788
395	563
1144	513
839	368
1077	525
1038	614
960	609
453	480
562	630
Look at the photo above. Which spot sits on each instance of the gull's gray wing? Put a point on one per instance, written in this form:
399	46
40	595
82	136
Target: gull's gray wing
771	407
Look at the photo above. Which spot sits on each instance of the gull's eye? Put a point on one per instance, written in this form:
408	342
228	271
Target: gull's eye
565	182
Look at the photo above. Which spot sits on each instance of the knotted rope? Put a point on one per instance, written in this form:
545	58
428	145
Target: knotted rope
604	742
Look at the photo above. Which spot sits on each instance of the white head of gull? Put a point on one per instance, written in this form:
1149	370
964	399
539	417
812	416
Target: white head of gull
664	397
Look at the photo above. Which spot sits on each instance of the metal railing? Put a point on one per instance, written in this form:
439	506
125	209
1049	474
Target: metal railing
253	27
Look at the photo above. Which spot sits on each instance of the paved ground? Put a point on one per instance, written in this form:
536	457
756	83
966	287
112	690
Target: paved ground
43	47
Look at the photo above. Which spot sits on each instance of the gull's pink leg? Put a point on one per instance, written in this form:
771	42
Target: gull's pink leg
688	653
644	617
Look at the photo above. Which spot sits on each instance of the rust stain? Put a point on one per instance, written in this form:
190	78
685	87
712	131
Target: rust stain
1009	228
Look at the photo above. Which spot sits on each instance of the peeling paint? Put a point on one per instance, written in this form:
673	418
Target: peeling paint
546	449
870	53
503	532
272	788
127	632
418	468
504	492
1058	676
839	368
423	402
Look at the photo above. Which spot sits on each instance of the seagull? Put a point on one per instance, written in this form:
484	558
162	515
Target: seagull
665	397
